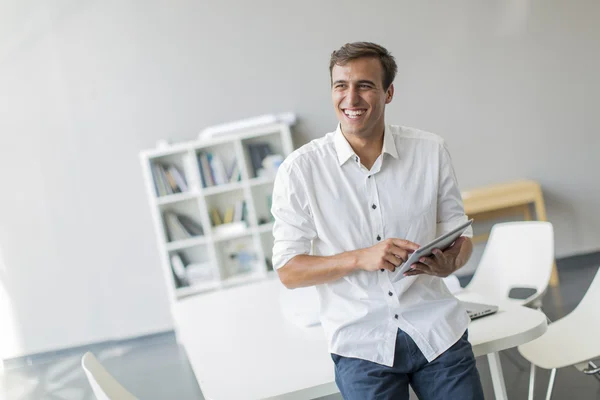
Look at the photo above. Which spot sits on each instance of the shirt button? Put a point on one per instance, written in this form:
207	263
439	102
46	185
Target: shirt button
356	158
396	316
373	206
378	237
382	269
369	176
390	293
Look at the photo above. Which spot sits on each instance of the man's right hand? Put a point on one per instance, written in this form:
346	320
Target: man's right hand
385	255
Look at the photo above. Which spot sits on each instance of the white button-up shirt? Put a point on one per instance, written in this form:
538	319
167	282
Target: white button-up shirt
326	202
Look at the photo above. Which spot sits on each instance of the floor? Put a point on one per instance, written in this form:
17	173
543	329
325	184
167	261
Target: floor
157	368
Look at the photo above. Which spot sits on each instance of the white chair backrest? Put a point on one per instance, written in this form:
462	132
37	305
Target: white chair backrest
103	384
518	254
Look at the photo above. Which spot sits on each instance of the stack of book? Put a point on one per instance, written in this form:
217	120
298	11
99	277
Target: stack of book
181	226
186	273
233	213
168	179
213	171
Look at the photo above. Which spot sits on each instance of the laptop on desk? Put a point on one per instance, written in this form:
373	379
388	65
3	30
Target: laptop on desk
478	310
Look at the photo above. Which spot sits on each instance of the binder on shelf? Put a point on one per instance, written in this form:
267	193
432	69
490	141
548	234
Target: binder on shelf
178	267
258	151
228	218
190	225
181	227
215	217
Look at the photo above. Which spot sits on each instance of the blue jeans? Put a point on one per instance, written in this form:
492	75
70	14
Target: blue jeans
452	375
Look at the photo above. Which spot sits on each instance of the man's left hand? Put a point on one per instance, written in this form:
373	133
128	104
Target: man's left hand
441	263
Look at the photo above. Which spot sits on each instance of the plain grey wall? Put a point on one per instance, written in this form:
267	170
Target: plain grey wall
513	86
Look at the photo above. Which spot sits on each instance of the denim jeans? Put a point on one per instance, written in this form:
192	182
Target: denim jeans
452	375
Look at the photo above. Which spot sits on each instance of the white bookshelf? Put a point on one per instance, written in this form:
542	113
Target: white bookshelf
227	254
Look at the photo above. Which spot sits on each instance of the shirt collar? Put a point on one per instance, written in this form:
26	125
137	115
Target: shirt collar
344	150
389	144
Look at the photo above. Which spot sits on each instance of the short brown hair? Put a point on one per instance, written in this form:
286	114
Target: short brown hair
352	51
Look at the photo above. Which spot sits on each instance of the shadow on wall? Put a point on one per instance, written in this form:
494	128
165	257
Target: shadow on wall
9	337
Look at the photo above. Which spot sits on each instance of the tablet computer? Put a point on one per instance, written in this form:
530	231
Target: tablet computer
442	243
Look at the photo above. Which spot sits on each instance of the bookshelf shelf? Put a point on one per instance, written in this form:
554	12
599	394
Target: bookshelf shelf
195	289
176	197
210	203
226	187
263	180
229	236
186	243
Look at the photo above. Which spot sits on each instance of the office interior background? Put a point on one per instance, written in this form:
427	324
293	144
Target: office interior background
512	86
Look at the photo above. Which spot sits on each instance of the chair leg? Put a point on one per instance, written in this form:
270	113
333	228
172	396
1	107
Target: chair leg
551	384
531	381
592	370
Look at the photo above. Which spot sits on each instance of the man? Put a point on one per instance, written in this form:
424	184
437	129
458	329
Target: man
360	200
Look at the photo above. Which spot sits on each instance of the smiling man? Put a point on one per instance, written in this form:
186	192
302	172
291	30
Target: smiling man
349	208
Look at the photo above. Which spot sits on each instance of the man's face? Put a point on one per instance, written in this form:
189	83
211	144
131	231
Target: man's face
359	97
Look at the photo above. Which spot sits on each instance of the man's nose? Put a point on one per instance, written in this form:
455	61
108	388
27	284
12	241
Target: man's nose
353	97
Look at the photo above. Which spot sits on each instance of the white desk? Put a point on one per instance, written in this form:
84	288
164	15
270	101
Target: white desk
240	345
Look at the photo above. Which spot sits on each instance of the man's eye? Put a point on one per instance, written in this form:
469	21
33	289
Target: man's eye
365	86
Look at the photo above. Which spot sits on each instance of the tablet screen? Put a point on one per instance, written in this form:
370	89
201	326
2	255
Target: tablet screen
441	242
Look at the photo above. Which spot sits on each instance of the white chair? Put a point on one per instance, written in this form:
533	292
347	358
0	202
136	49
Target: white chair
570	341
519	256
103	384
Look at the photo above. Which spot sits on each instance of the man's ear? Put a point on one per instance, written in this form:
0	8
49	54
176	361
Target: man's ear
389	94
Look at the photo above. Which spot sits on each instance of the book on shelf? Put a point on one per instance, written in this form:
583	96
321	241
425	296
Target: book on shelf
205	174
191	226
228	217
217	169
179	273
199	272
187	274
213	171
242	257
234	174
181	226
233	213
215	217
178	177
168	179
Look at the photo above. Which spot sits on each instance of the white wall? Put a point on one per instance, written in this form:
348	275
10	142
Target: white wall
513	87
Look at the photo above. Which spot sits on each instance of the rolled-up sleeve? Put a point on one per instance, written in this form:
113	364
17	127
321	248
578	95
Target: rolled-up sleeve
450	211
294	228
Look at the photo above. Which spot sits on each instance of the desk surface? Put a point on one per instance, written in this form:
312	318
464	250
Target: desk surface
240	345
505	195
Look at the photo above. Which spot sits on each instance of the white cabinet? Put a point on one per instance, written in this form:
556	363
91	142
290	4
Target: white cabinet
210	203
